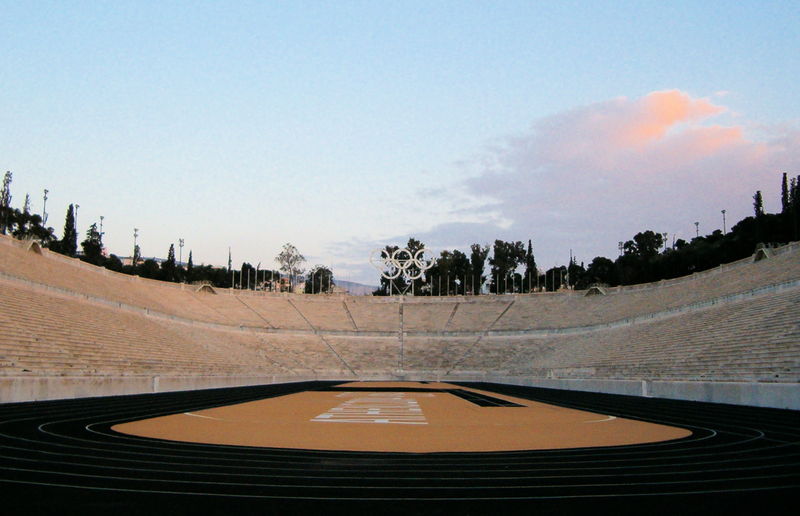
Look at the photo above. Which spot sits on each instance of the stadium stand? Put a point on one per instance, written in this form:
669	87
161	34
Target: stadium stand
372	315
729	334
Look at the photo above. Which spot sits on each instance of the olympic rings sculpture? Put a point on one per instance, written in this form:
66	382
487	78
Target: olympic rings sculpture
401	262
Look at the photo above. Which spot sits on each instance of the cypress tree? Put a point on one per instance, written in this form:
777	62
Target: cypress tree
530	269
5	203
69	242
758	204
189	268
784	194
793	205
168	267
137	255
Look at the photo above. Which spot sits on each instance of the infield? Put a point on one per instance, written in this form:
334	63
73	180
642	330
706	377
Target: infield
400	417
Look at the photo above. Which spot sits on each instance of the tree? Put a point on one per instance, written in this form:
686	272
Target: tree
137	255
530	269
93	246
399	283
554	278
461	271
450	275
113	263
758	204
69	240
30	226
413	245
477	259
504	261
5	203
149	269
601	270
168	268
793	211
784	194
319	280
190	268
575	273
644	245
290	261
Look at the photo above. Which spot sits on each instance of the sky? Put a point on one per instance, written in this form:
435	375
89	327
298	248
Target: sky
342	127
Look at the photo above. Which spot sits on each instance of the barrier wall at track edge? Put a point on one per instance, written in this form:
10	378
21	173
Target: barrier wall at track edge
755	394
771	395
39	388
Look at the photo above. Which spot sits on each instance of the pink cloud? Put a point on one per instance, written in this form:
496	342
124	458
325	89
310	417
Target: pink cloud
605	171
607	132
658	112
586	178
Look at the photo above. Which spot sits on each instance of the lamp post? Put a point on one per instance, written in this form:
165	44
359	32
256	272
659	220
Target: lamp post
44	208
76	217
135	237
697	229
724	227
180	252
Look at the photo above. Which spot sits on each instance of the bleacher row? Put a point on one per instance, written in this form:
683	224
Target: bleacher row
62	317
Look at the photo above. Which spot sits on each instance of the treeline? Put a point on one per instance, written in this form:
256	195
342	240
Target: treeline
644	258
23	224
511	265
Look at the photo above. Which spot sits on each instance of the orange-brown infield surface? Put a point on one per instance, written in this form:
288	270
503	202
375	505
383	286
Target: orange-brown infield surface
399	422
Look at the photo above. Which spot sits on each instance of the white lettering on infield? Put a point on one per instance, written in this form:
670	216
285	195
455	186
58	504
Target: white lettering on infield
378	407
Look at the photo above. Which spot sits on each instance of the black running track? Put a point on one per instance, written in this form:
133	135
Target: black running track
61	457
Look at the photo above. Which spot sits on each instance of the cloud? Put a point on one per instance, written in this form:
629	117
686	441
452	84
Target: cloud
595	174
585	178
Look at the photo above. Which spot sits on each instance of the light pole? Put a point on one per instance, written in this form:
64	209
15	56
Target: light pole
180	252
76	217
101	226
724	227
697	229
44	208
665	241
621	246
135	246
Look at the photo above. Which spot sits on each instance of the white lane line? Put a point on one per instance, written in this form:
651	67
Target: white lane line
608	418
206	417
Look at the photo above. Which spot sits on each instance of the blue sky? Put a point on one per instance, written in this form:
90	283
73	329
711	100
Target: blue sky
343	126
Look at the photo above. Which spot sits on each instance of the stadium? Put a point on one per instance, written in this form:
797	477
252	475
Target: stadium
125	393
399	258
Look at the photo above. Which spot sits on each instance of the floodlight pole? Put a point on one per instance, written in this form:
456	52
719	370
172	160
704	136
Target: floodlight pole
135	238
180	252
697	229
44	208
724	228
